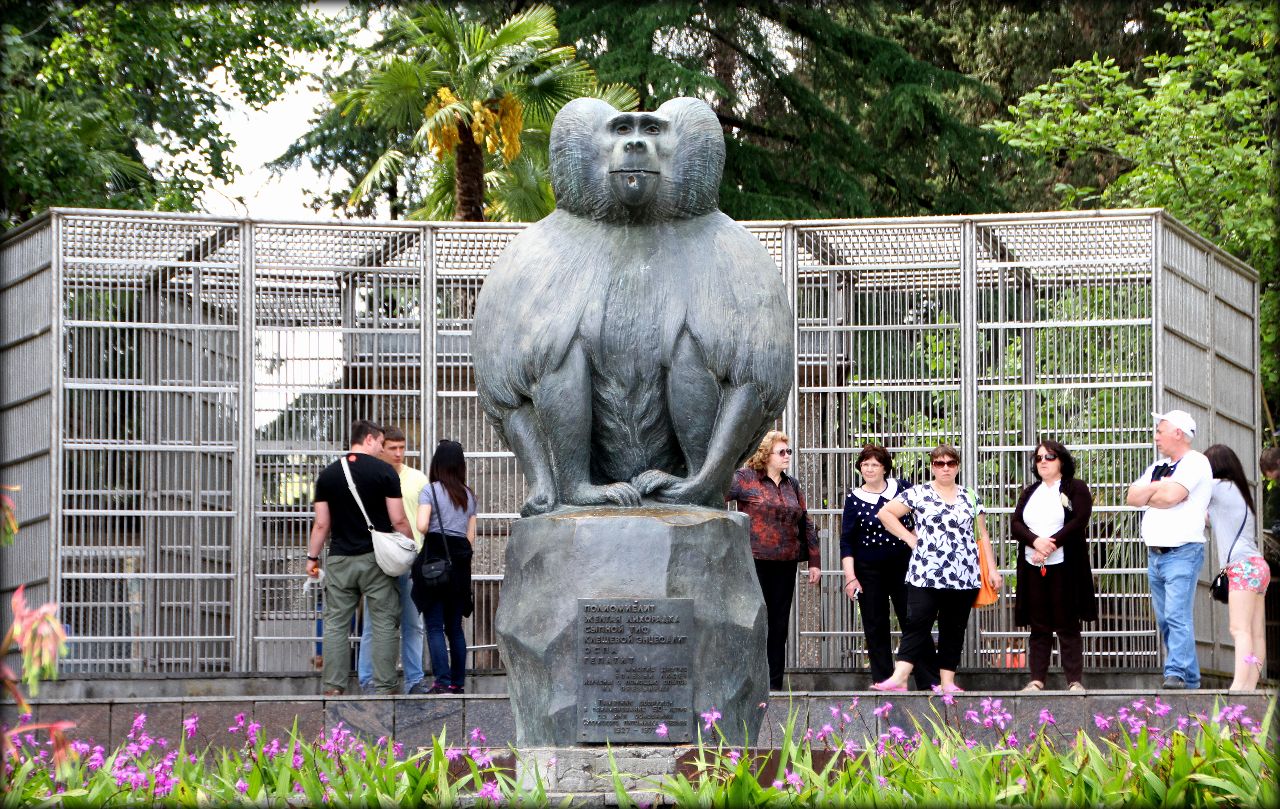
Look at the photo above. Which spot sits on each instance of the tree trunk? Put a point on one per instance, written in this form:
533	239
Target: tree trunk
468	178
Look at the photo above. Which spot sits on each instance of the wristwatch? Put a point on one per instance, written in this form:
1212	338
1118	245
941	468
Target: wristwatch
313	558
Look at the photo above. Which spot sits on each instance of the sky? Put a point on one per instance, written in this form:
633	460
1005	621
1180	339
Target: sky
263	135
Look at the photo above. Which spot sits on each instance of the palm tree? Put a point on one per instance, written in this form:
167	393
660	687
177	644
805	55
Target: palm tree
465	92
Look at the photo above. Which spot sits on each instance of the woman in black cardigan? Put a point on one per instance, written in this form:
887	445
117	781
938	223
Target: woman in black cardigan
1055	581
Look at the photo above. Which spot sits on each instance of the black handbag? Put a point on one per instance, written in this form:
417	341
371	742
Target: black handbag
1219	588
433	577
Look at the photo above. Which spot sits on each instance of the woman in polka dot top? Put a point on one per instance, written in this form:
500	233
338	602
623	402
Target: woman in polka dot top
875	561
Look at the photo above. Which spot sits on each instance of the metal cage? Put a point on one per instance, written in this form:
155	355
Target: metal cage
171	384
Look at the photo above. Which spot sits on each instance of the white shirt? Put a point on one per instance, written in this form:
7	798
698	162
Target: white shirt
1184	522
1045	516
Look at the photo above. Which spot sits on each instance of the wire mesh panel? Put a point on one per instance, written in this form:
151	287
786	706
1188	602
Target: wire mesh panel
461	256
209	369
150	403
878	328
337	336
27	371
1064	352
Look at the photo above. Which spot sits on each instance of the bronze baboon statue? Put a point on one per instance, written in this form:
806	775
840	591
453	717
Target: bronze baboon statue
637	342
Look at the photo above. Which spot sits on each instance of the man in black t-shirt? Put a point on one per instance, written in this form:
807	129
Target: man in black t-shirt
353	571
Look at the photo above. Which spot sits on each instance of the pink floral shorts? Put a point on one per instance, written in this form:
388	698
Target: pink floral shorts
1251	574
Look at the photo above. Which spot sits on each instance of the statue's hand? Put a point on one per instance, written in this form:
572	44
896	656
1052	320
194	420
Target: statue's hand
688	491
654	480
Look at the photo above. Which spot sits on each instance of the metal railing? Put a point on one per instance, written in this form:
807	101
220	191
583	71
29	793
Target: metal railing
173	383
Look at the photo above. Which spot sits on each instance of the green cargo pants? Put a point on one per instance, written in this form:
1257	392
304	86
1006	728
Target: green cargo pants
347	578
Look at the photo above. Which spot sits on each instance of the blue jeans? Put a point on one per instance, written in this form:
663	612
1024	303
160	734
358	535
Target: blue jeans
444	618
410	641
1173	576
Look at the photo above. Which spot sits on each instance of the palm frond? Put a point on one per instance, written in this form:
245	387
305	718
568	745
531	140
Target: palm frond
388	164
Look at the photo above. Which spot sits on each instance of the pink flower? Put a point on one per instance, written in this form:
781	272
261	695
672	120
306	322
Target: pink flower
882	781
477	736
734	755
242	787
139	722
777	784
948	698
794	780
1161	709
955	763
1103	722
452	753
661	730
883	710
239	724
1046	718
1252	660
710	717
190	725
490	792
972	716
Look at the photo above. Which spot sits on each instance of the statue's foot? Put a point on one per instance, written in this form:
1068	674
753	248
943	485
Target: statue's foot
538	503
619	494
689	492
652	480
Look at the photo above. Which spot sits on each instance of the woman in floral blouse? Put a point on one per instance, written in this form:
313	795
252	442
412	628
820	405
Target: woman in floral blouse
944	576
773	500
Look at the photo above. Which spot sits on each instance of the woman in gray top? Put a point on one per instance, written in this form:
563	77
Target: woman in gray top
1231	518
447	520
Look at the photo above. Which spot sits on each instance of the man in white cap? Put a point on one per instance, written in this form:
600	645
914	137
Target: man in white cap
1174	494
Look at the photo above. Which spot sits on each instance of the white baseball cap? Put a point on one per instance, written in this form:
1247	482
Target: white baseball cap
1180	419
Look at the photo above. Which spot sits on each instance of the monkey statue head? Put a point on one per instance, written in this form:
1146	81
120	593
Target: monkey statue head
637	166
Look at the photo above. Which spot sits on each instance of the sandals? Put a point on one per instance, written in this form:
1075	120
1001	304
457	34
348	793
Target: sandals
1035	685
887	686
1076	686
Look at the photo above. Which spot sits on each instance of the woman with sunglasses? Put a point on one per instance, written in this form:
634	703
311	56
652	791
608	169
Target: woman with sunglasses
1055	580
781	535
943	577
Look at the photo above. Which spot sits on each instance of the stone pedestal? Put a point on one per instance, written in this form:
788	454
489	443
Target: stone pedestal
653	552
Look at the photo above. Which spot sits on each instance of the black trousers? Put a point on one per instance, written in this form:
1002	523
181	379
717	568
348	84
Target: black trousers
1049	609
883	581
778	586
950	609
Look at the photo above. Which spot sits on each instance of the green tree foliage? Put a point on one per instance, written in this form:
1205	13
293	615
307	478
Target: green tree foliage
86	85
1011	48
823	117
1197	136
469	95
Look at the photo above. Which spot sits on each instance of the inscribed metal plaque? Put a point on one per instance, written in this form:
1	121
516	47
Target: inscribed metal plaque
636	657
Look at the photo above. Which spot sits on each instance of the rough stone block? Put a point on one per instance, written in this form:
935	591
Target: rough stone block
216	715
163	719
418	719
652	552
277	717
493	717
93	720
368	717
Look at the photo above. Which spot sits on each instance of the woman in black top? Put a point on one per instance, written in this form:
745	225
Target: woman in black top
1055	582
874	561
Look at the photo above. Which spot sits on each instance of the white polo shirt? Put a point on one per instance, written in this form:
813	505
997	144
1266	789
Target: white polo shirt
1185	522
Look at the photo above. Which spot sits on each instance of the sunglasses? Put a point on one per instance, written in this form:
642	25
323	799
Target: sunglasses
1048	456
947	464
785	451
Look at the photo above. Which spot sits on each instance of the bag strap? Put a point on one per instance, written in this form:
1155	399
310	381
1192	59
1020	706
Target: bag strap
435	512
1240	531
351	484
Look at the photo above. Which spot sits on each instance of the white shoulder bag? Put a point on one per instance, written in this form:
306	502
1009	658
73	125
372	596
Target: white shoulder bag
393	550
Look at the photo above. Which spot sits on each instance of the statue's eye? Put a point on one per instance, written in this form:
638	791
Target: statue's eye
623	129
652	129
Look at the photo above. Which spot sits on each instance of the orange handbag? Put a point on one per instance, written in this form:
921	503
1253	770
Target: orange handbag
987	594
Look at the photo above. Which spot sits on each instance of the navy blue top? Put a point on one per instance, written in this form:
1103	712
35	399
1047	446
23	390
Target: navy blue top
863	536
